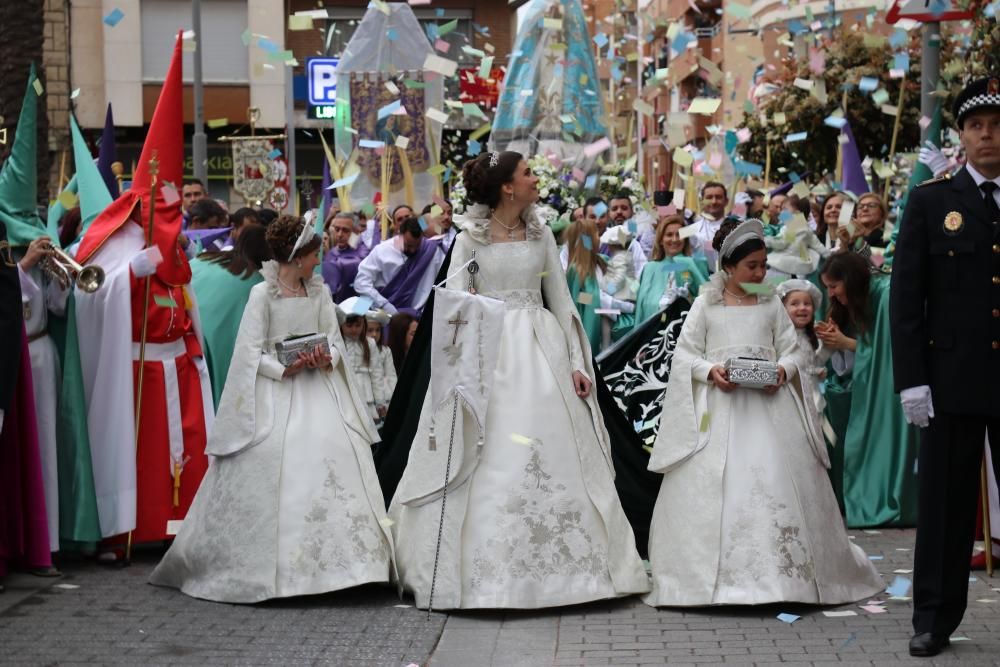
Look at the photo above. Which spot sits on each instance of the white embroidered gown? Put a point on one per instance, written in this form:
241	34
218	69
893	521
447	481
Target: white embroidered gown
291	504
745	513
370	377
538	522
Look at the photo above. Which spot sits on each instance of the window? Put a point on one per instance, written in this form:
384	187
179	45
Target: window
224	58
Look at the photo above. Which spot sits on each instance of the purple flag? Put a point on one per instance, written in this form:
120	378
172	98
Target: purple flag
853	180
108	153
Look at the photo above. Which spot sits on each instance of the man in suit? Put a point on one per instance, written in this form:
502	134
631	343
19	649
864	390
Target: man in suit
945	317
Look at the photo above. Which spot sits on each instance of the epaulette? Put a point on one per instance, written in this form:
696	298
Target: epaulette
939	179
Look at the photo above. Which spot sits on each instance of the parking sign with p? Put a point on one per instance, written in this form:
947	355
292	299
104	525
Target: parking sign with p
322	75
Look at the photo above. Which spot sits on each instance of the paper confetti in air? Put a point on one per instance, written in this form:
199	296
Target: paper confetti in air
703	427
763	289
436	115
216	123
37	85
597	147
169	193
442	66
166	301
300	22
386	522
688	231
113	17
797	136
402	142
584	298
704	105
343	182
522	439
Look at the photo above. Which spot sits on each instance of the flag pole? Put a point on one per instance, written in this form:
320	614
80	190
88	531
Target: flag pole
154	168
895	135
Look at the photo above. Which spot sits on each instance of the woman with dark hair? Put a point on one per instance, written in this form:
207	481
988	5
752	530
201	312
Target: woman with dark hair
745	513
874	457
291	504
534	519
222	282
402	327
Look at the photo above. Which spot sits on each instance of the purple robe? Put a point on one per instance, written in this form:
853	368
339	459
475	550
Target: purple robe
340	268
400	290
24	527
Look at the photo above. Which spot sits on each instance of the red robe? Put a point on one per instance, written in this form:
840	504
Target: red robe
171	459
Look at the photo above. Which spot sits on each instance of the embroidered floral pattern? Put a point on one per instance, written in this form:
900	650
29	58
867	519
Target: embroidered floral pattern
744	558
335	511
538	534
516	299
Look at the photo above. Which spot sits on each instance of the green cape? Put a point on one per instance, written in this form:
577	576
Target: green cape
876	449
655	276
221	299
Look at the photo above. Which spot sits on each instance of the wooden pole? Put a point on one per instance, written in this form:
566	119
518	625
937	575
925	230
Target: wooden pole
767	169
839	173
895	135
154	167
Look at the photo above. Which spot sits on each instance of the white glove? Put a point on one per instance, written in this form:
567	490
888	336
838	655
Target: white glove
683	291
932	156
389	308
776	243
623	306
669	296
917	405
144	262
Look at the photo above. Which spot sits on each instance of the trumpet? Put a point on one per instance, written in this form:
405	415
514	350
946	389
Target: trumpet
66	271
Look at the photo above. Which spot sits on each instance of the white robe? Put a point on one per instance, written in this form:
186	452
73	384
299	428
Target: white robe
537	521
291	504
745	513
39	296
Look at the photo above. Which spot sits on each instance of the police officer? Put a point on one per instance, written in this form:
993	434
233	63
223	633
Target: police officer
945	318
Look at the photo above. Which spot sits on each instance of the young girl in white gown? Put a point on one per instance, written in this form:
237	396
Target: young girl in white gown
362	358
801	300
537	522
291	504
745	513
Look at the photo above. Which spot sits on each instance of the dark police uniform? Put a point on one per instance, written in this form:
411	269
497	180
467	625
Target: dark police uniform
945	319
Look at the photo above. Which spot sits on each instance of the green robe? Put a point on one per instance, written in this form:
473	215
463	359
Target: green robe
221	299
79	525
655	277
876	449
591	320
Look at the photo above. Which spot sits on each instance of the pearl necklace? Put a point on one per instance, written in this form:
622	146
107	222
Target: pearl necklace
293	290
510	229
739	299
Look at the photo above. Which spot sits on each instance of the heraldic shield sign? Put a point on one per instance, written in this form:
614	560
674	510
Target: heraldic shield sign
253	172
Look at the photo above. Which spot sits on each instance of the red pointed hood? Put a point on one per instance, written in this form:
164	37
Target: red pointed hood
166	138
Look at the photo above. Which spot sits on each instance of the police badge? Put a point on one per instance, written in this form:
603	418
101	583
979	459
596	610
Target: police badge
953	223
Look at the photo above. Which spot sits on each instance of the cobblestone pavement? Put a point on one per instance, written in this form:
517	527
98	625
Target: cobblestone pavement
95	615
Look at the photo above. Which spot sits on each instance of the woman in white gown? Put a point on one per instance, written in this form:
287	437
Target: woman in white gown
745	513
536	522
291	504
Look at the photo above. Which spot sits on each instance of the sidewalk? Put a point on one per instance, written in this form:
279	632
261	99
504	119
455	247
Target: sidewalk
97	615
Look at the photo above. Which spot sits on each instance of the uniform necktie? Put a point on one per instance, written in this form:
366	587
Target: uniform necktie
988	188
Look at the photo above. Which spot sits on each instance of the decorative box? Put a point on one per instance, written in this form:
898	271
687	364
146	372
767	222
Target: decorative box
752	373
288	350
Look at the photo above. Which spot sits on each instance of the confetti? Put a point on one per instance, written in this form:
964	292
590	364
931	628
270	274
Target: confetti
68	199
840	614
402	142
597	147
68	587
443	66
523	439
436	115
386	522
114	17
584	298
343	182
797	136
216	123
703	427
300	22
873	608
37	85
166	301
169	193
704	105
788	618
